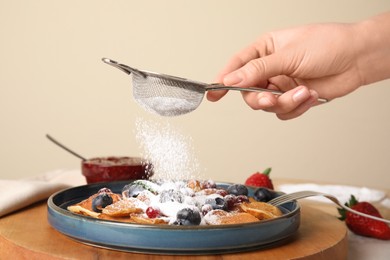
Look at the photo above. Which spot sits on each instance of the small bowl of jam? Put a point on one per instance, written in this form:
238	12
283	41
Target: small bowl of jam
115	168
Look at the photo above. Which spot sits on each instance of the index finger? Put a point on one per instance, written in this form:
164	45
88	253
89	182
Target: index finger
237	61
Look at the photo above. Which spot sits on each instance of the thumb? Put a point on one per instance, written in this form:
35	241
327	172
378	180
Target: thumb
256	72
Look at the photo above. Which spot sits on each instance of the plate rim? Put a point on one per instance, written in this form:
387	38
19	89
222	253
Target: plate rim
52	205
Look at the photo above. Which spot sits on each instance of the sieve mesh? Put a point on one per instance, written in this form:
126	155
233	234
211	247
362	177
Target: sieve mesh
165	96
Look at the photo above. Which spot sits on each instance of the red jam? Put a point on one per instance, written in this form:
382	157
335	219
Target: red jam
106	169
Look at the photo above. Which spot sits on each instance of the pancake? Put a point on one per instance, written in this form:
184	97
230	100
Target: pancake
124	207
142	219
260	210
85	207
221	217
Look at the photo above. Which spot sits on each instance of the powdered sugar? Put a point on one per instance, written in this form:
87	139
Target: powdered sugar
170	152
167	106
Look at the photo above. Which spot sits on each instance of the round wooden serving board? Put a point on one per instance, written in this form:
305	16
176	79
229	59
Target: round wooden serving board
26	234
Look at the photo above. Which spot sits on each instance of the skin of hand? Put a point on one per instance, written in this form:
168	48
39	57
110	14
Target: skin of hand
326	60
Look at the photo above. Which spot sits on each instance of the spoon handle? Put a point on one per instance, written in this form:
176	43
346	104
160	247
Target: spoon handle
64	147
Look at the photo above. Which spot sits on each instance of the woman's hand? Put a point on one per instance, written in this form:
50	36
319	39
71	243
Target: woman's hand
322	60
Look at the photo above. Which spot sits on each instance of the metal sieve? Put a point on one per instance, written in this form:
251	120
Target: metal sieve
167	95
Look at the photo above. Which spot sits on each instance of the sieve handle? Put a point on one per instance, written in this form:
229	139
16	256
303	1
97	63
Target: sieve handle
126	69
217	86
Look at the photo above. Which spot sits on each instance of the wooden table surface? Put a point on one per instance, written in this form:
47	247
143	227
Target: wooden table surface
26	234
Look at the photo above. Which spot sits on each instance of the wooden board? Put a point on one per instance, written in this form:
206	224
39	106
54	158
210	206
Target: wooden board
26	234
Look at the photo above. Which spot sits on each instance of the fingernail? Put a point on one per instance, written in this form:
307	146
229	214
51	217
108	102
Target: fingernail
265	102
233	78
301	95
314	94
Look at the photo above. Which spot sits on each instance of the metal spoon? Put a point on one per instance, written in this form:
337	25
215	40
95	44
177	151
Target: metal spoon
65	148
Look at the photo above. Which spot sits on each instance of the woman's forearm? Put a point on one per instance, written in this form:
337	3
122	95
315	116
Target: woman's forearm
374	48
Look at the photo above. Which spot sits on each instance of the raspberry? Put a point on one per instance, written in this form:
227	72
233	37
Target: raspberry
152	212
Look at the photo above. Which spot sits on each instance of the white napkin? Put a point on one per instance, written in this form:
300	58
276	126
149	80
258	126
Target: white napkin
341	192
17	194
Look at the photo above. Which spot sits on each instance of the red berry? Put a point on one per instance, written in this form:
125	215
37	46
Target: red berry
231	201
206	208
242	198
259	179
362	225
209	184
221	192
152	212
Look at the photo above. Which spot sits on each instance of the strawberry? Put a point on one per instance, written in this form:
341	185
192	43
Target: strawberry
259	179
364	226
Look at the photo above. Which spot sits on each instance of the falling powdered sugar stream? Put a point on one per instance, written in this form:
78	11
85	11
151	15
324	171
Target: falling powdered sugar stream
170	152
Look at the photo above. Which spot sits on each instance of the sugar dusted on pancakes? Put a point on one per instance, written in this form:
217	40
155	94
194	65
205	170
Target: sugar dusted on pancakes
176	203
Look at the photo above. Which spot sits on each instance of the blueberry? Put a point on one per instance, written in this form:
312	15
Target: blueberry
188	217
171	195
132	190
264	195
237	189
101	201
217	203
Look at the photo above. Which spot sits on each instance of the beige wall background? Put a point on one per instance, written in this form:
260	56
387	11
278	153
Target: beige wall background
52	81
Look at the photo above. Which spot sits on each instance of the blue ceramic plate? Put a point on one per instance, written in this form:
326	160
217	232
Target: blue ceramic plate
167	239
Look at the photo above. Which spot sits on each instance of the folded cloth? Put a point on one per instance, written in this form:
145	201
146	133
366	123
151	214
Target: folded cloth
17	194
341	192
